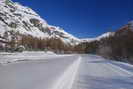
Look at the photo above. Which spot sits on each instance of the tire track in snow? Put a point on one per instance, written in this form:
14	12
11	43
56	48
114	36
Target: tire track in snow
67	79
119	69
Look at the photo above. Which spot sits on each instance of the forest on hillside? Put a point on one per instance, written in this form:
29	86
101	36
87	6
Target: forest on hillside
117	47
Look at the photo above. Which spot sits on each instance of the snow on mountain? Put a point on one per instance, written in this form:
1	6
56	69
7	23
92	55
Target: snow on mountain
88	39
105	35
22	19
99	37
60	33
131	24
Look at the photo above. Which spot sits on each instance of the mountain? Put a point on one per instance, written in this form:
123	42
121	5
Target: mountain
15	18
107	34
116	45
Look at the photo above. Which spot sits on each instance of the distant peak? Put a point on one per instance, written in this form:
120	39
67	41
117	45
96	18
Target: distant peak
130	22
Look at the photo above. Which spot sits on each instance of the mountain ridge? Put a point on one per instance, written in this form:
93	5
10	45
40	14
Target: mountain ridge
22	19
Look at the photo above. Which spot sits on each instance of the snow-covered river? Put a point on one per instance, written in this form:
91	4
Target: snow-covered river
64	72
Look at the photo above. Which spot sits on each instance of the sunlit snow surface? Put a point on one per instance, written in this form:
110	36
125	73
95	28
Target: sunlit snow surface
38	73
25	56
39	70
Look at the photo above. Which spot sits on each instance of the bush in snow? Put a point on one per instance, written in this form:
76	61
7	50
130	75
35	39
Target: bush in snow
20	48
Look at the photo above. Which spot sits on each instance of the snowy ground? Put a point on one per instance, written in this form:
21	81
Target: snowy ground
6	58
97	73
39	74
51	71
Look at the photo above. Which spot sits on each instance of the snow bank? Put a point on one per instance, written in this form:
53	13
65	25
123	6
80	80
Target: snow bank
26	56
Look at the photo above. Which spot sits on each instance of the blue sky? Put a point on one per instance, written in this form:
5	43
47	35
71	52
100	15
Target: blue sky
84	18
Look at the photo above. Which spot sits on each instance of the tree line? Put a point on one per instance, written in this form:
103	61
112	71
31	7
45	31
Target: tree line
31	43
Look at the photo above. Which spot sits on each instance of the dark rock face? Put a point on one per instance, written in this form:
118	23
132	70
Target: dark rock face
35	22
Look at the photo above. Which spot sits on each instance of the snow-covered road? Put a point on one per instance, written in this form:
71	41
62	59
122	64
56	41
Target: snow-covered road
66	72
97	73
40	74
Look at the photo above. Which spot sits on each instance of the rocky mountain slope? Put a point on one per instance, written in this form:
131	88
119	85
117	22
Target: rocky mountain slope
15	18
